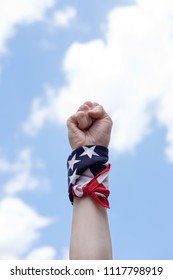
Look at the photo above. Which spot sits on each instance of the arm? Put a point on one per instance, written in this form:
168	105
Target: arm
90	235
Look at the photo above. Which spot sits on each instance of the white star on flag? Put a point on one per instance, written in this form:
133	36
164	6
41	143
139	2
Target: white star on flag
73	177
72	162
89	151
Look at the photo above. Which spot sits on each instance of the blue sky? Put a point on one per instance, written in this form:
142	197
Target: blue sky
54	55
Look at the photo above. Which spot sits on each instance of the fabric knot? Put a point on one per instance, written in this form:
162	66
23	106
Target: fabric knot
88	170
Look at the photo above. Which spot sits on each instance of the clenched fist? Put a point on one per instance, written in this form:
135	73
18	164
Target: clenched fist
91	125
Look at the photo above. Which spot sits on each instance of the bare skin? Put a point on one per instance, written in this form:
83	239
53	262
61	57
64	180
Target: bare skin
90	235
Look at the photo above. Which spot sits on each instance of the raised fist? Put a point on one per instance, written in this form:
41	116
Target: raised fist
91	125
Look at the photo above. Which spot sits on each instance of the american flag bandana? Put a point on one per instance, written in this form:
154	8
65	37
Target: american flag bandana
88	170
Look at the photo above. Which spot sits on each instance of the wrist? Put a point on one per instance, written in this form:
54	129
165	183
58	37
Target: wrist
88	170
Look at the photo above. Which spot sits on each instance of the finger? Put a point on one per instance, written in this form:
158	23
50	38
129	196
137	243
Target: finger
72	124
86	106
80	120
84	121
95	104
97	112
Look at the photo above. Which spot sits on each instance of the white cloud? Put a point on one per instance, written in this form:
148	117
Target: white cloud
40	113
129	71
20	224
47	253
20	175
20	227
42	253
13	13
63	18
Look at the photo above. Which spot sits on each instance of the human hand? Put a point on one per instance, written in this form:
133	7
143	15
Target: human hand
91	125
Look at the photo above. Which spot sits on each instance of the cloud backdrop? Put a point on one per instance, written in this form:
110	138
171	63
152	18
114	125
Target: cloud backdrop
54	55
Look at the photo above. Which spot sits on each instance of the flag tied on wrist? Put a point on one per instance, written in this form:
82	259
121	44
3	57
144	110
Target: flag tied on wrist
88	170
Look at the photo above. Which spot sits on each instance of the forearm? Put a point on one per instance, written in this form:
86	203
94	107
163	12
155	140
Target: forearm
90	235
